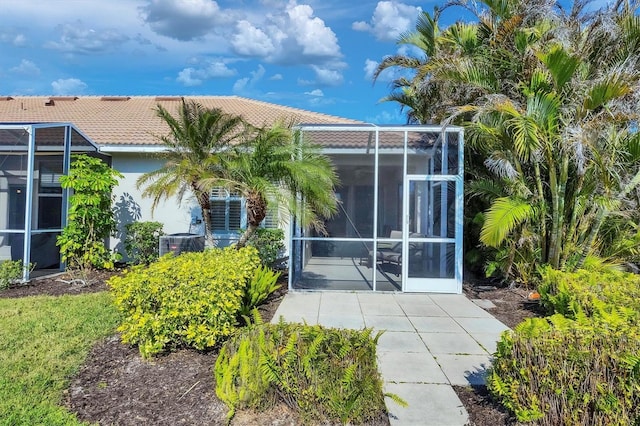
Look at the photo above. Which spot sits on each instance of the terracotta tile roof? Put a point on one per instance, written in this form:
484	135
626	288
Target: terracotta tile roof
366	140
124	120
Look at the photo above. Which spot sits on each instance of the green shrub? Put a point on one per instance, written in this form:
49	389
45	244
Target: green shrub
189	300
557	371
142	241
580	365
270	244
90	219
10	272
327	375
591	293
263	282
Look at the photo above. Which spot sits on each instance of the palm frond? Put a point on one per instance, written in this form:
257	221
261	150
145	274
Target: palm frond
425	36
560	63
611	87
486	189
504	215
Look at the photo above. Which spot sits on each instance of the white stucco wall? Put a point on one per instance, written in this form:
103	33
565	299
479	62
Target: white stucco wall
131	206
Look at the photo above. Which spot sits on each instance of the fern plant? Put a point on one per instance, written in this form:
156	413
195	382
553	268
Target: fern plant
263	282
326	375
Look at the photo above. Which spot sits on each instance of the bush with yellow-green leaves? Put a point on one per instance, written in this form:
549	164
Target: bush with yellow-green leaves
191	300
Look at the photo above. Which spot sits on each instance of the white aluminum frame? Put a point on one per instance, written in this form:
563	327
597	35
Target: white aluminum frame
458	178
66	150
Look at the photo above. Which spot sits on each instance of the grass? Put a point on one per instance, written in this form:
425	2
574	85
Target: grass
43	342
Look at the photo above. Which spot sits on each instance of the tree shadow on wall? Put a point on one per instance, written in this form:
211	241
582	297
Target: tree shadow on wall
125	210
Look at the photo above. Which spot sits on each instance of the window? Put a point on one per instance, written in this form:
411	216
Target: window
227	211
271	220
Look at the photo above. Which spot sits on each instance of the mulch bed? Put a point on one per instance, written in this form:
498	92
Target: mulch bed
511	308
116	386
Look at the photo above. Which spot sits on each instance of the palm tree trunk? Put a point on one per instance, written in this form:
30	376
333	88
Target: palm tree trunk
205	205
588	244
562	192
256	212
555	212
602	214
251	229
543	213
573	222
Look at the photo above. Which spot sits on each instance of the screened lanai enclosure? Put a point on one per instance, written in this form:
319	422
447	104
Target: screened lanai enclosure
33	205
399	221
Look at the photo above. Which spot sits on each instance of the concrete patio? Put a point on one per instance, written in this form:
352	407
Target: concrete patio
431	341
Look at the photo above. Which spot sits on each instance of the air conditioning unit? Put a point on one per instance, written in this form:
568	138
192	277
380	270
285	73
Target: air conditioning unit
180	243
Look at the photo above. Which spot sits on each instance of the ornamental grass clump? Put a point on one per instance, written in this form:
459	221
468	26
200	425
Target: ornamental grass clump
326	375
190	300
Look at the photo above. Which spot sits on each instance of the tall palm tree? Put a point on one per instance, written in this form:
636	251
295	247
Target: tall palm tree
548	97
277	169
198	142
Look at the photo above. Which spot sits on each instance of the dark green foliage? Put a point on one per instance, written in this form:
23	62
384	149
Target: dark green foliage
328	375
260	286
90	221
142	241
270	244
580	365
189	300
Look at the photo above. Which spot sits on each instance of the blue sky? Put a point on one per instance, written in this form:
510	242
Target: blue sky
311	54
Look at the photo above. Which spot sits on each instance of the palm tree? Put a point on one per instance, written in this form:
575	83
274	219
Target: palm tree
198	142
277	169
548	98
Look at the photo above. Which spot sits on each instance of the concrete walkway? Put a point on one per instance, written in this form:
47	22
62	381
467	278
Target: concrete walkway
431	341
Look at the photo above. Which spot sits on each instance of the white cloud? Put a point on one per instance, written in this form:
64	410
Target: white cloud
13	37
276	77
360	26
369	68
328	76
390	19
249	82
69	86
26	68
291	36
315	92
188	77
251	41
193	76
311	34
185	19
388	117
75	38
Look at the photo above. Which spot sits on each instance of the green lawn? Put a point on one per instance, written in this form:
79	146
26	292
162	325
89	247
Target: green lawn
43	341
